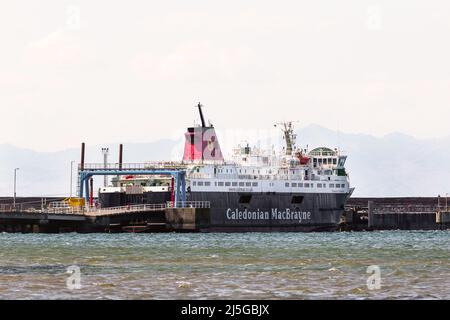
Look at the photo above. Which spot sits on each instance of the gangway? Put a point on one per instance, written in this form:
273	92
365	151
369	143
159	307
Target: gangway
87	171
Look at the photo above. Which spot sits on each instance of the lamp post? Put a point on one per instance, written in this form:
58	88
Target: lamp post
71	178
105	152
15	187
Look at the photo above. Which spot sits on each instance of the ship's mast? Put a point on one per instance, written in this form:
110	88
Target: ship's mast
200	106
289	136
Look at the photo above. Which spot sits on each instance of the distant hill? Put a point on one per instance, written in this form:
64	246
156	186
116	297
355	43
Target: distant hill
394	165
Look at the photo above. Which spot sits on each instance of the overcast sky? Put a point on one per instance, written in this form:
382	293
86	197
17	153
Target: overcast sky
132	71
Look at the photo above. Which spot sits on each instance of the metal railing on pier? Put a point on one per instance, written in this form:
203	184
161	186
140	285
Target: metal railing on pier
380	208
125	209
189	204
133	166
94	211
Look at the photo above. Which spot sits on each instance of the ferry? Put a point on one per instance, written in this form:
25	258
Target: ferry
292	190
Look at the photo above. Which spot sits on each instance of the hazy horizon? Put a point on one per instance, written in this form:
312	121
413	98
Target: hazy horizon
79	70
240	135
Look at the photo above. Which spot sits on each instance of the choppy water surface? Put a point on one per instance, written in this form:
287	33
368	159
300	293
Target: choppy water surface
414	265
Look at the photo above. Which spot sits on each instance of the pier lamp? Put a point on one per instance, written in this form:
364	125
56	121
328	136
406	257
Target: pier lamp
71	178
15	185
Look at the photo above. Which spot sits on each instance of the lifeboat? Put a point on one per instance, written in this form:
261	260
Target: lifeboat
303	159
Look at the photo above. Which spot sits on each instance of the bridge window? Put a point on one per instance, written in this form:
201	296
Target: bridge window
306	185
286	184
241	184
319	185
194	183
254	184
200	183
248	184
207	184
227	184
300	185
294	184
234	184
331	185
220	184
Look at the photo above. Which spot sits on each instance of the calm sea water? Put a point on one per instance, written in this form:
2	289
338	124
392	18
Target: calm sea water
413	265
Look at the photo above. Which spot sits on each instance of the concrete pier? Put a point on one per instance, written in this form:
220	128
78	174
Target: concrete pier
144	218
395	214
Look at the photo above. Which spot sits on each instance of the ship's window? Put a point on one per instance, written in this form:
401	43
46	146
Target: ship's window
200	183
320	160
194	183
331	185
215	183
334	161
198	169
297	199
312	185
207	184
245	198
294	184
300	185
319	185
215	170
248	184
342	185
241	184
254	184
286	184
306	185
234	184
220	184
227	184
338	186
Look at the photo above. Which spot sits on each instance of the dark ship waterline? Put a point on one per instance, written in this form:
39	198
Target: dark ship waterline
255	191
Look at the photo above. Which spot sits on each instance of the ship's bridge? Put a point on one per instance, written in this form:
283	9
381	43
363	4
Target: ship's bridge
323	152
326	158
